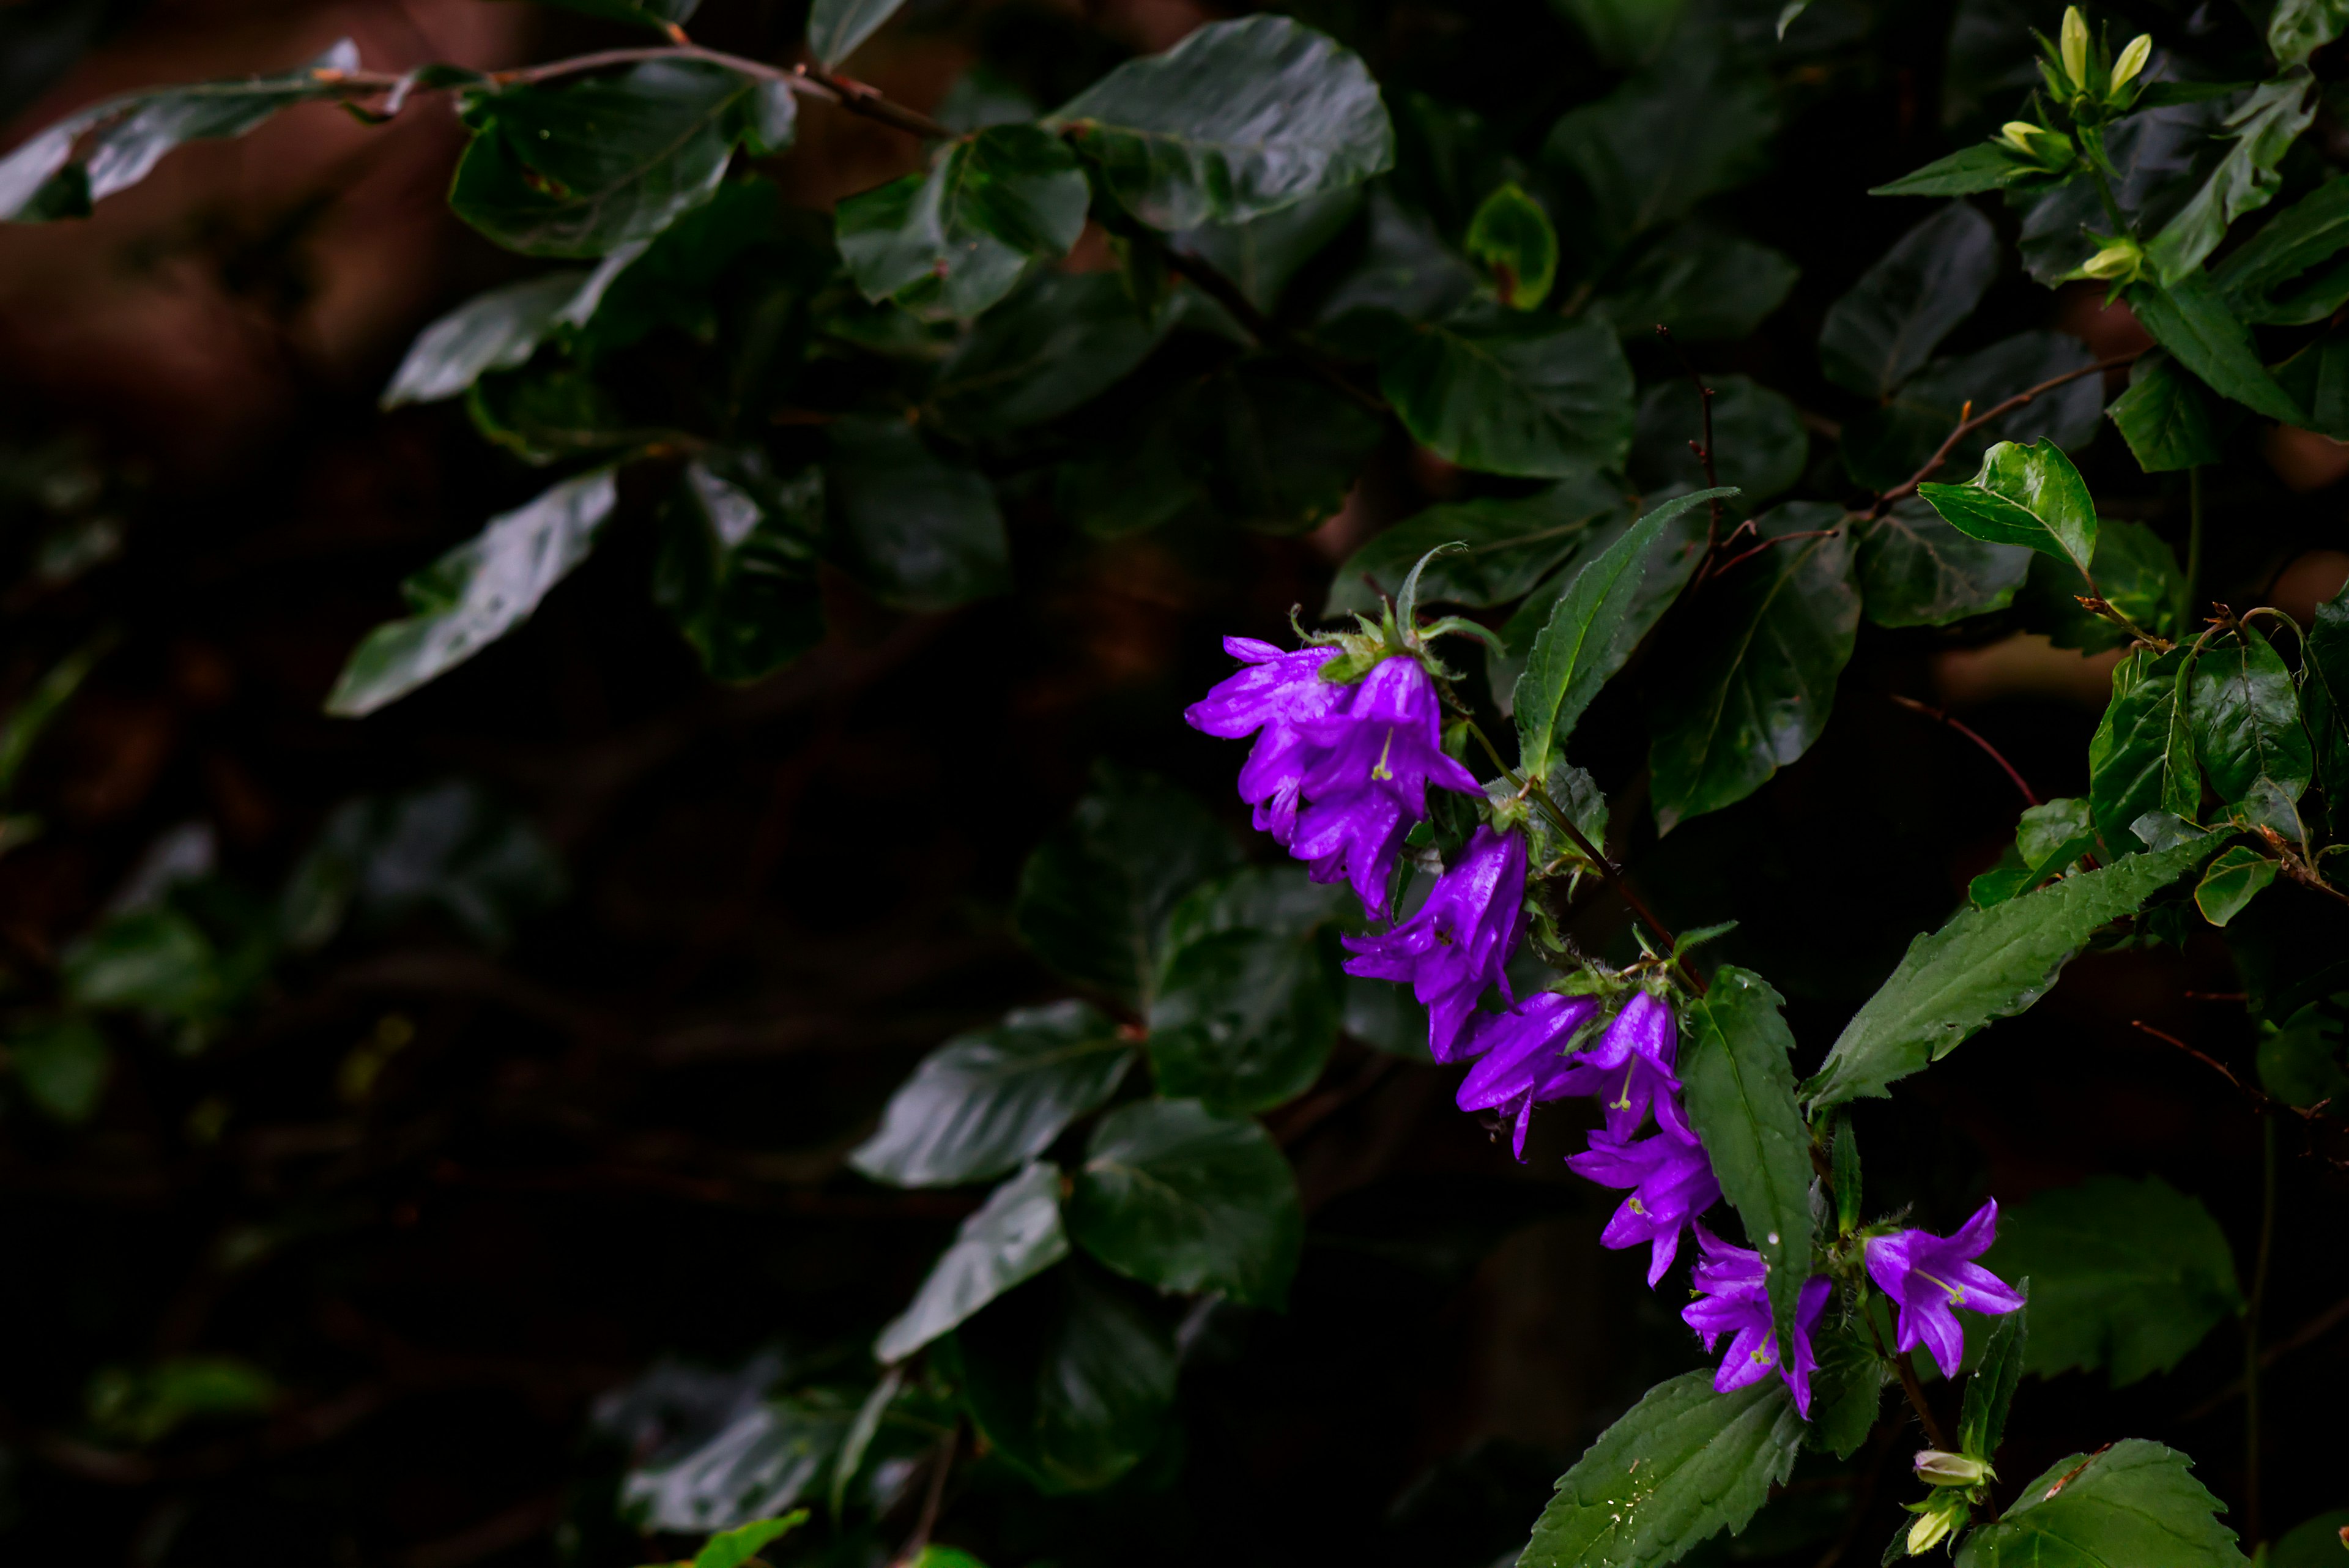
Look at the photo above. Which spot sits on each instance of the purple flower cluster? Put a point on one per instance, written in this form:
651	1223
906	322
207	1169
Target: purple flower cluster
1926	1275
1734	1299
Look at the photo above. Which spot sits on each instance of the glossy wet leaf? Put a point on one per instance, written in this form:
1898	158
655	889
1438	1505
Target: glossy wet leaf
1750	688
2141	757
917	531
1698	280
2188	318
2164	417
1683	1465
1238	120
1759	444
836	27
1738	1073
2135	1503
62	1064
1244	1018
2231	881
1182	1200
1512	237
984	1102
963	233
767	1456
2028	495
1916	570
1048	350
737	566
1263	254
1882	332
1016	1235
498	330
1512	544
2246	719
476	593
1508	392
1983	965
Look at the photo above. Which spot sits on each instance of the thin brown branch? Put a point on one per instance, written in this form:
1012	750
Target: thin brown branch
1908	1384
1703	449
1993	751
2258	1099
1748	554
1966	426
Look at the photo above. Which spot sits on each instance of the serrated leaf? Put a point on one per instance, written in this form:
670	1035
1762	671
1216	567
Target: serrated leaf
2028	495
2141	757
836	27
1984	166
2246	719
1760	447
2135	1502
1750	687
1016	1235
920	532
1846	1388
736	566
1507	393
1883	332
1238	120
1984	964
1990	1391
1686	1463
2263	127
1609	607
1739	1077
2189	319
476	593
2163	416
1182	1200
983	1102
1916	570
1512	544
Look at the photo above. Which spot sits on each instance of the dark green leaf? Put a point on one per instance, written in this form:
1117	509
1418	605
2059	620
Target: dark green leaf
2126	1275
1405	274
761	1462
2309	232
2134	572
1049	348
2314	1543
736	566
1750	689
62	1062
2317	379
1280	447
2263	127
2298	28
1684	1464
1179	1197
982	1103
1626	33
1990	1392
1237	120
1512	236
2163	416
1847	1387
550	414
1069	1379
581	168
2188	318
2135	1503
1886	445
2231	881
448	849
1603	612
1916	570
733	1548
1263	253
1650	150
2028	495
476	593
1512	544
1699	280
494	331
1740	1078
1245	1017
1883	332
2324	701
674	279
1095	896
1506	393
2246	719
836	27
963	233
2299	1064
921	533
2141	758
1982	166
116	143
1984	964
1015	1236
1758	442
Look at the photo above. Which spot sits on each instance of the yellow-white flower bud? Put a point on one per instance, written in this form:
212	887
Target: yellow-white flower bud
2018	135
2115	258
2132	60
2073	47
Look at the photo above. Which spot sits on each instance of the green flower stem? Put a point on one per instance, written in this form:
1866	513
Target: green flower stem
1908	1376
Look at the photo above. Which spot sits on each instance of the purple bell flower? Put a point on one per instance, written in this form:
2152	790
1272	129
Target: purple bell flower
1366	783
1736	1303
1270	699
1926	1275
1671	1183
1630	1069
1458	942
1519	1056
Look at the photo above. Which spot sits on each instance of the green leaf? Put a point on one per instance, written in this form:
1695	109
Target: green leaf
984	1102
2189	319
1605	611
498	330
2135	571
1244	1018
2028	495
963	233
1990	1392
476	593
2317	379
1069	1379
760	1463
2141	758
1513	544
2231	881
1750	687
2323	699
1883	332
1984	964
1740	1079
2300	1064
550	414
1015	1236
1683	1464
1095	896
1182	1200
1512	236
1702	282
1693	125
2309	232
2246	719
677	278
1236	120
1405	272
156	959
2315	1544
1048	350
1982	166
1507	393
2163	416
1885	446
1916	570
920	532
116	143
732	1548
836	27
2298	28
736	566
2263	127
33	715
582	168
1759	444
1626	33
1280	448
1846	1387
2135	1503
63	1063
1263	254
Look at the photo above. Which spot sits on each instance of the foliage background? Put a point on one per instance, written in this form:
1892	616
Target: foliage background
446	1193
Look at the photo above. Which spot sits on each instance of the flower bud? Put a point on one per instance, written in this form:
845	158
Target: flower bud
1938	1517
2019	134
1937	1468
2132	60
2115	259
2073	47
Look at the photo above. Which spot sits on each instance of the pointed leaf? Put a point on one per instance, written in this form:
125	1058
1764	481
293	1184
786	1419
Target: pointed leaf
1182	1200
1509	393
1984	166
2189	319
736	566
2131	1503
2163	416
1916	570
2262	127
2029	495
2231	881
2141	758
1990	1391
2246	719
1015	1236
1883	332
